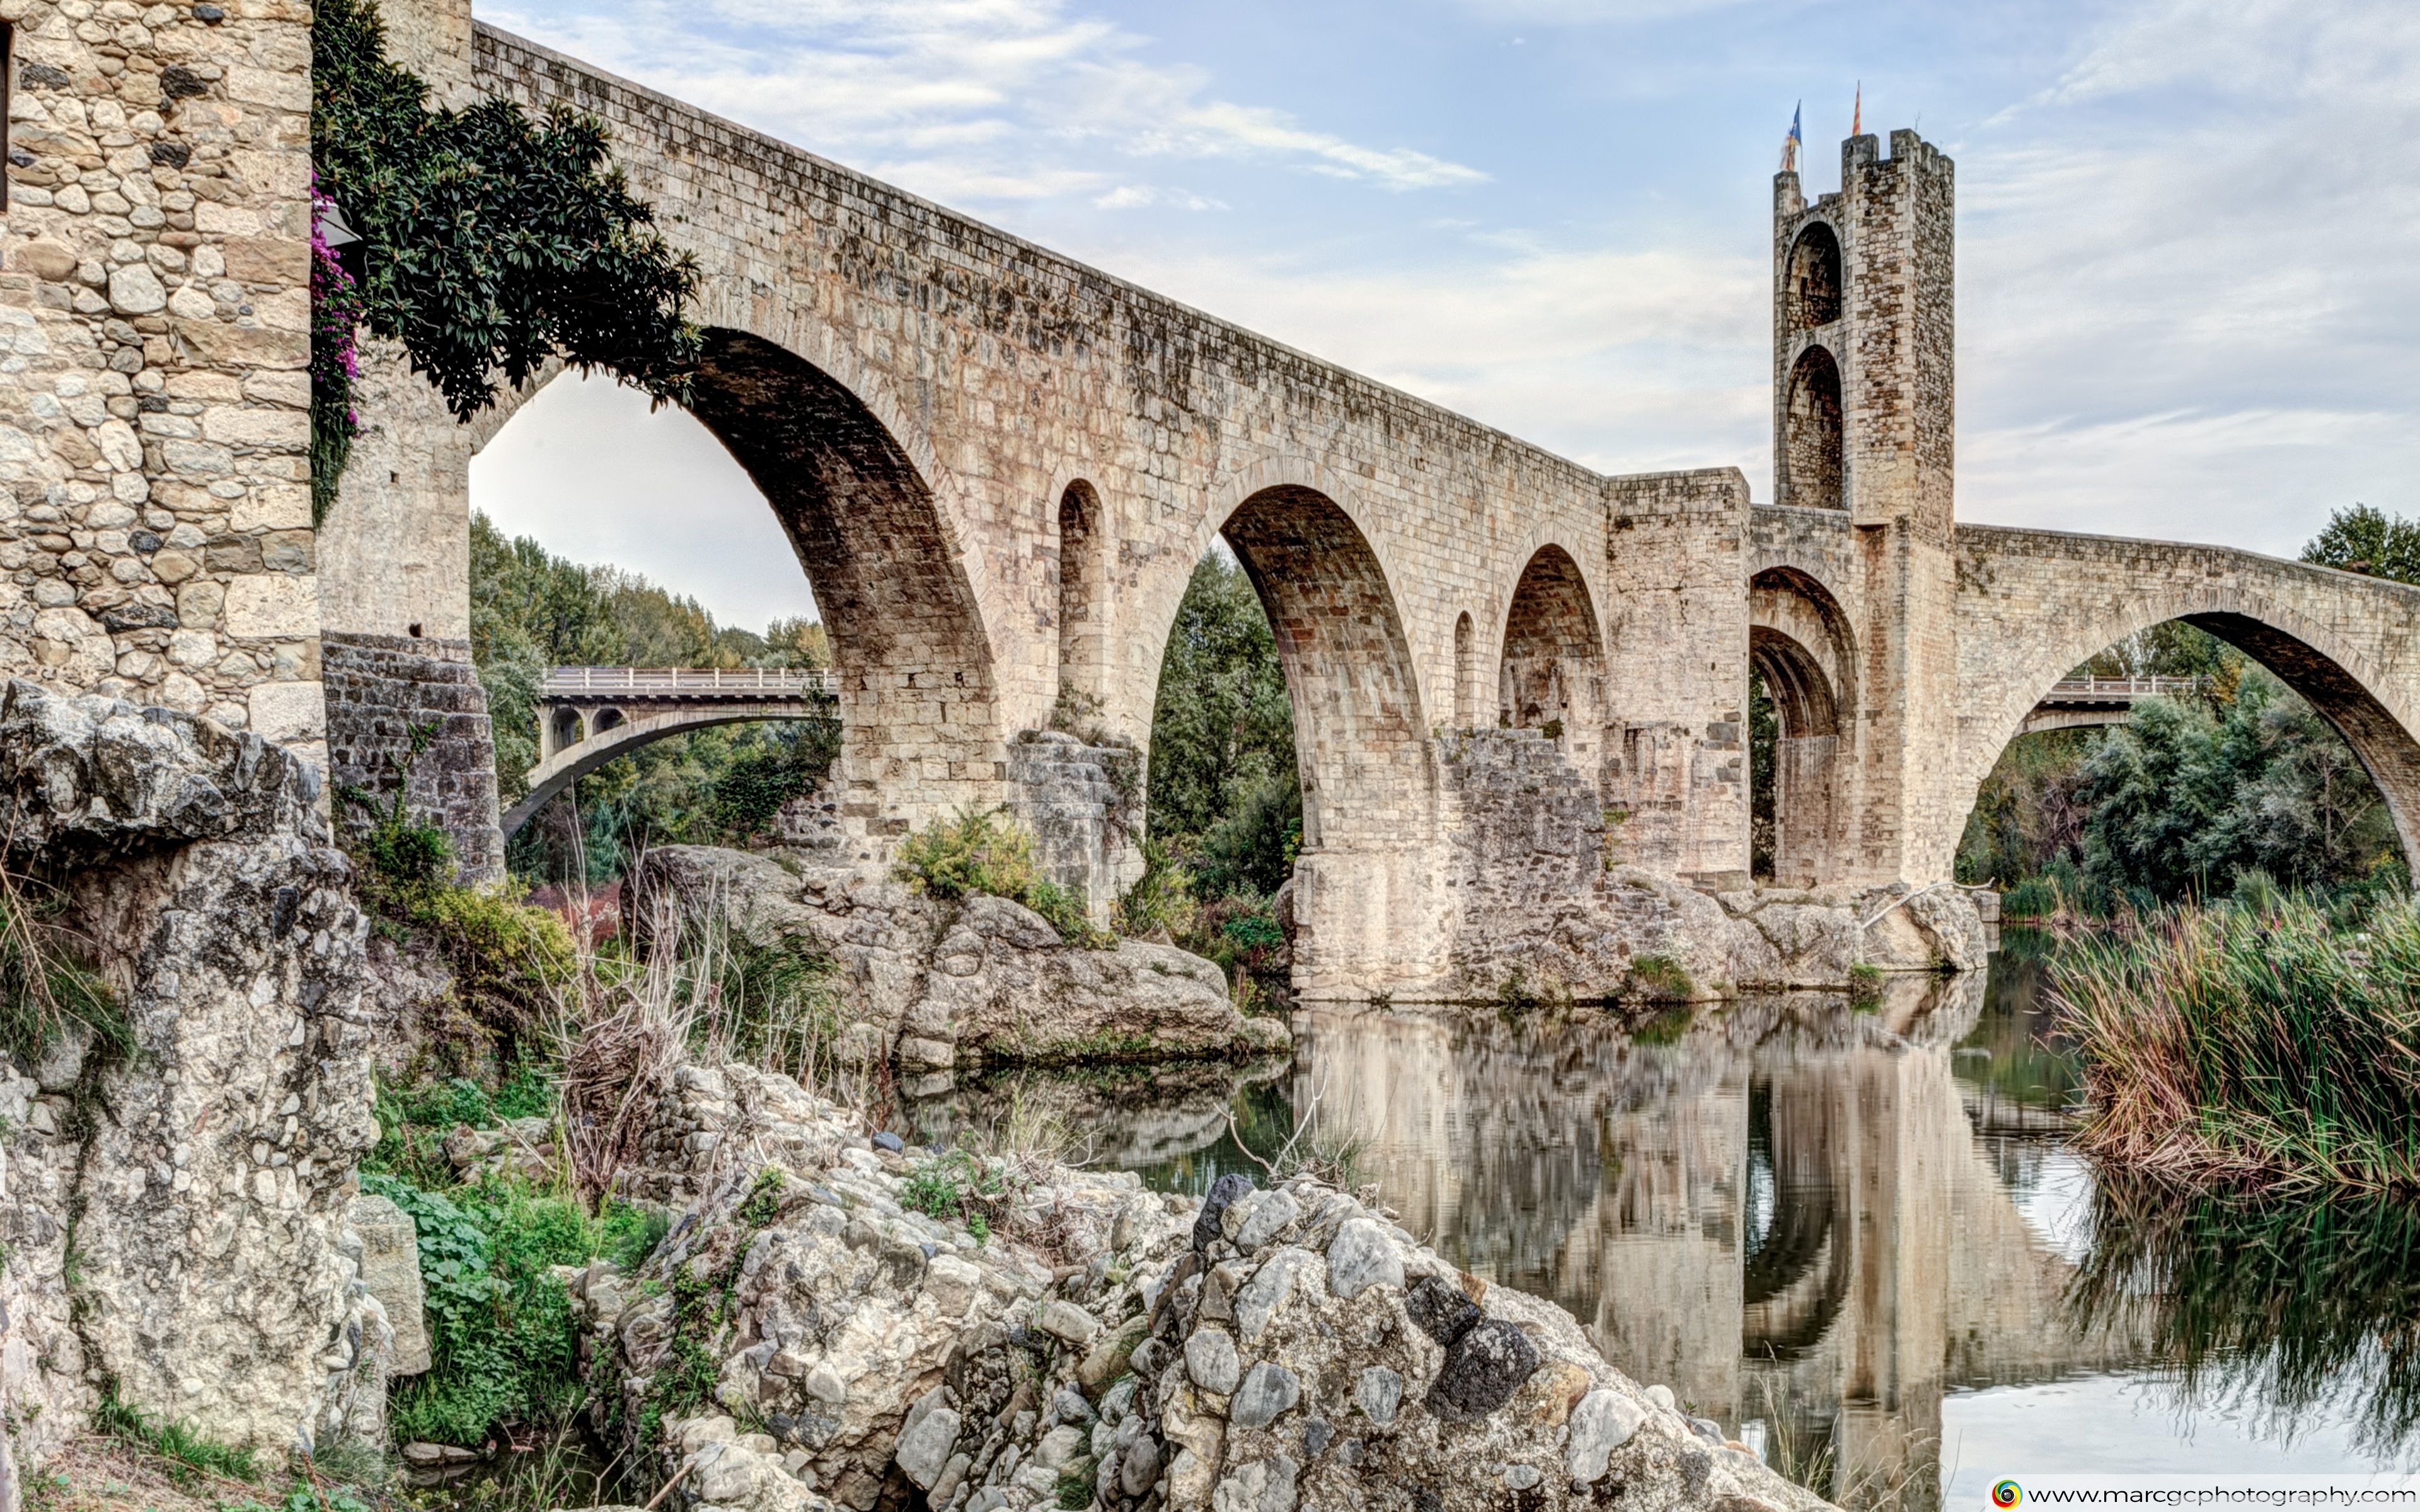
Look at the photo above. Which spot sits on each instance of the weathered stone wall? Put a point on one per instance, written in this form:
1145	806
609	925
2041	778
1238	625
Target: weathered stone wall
1084	806
155	521
1676	778
386	692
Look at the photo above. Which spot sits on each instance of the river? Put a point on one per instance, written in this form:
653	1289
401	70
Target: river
1858	1238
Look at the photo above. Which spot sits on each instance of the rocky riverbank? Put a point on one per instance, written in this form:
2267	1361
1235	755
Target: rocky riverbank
941	985
836	1319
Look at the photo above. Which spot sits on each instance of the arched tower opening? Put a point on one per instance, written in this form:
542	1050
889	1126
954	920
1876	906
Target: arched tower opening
1552	675
1802	663
1811	456
1811	286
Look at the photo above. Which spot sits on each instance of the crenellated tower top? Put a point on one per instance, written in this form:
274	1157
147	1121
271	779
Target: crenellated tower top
1864	307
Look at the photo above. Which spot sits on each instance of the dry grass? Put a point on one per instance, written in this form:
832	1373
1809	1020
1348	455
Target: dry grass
98	1473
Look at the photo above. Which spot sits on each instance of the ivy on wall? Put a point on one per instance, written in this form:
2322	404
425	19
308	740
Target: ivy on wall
494	241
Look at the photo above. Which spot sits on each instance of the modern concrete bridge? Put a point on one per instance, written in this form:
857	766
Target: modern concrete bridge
2074	702
999	468
587	716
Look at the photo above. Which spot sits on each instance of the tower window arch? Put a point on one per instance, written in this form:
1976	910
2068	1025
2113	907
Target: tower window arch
1812	286
1811	439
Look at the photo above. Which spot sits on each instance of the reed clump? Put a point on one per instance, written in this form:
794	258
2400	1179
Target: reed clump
2271	1044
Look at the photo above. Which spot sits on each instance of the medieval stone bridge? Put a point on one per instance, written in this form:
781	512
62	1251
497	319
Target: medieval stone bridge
1000	467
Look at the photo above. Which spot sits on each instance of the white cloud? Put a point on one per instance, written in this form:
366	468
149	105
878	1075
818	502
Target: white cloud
983	99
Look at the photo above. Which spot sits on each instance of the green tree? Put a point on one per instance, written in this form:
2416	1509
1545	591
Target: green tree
2365	540
1224	791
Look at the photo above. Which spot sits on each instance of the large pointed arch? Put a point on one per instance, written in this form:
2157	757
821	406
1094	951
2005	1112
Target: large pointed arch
2331	674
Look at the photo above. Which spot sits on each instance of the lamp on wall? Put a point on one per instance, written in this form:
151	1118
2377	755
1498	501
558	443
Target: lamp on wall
350	252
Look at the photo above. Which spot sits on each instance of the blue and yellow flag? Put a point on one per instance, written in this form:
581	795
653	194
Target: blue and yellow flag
1791	144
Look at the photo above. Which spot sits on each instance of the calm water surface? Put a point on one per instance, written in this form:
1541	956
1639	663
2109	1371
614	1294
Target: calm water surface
1857	1238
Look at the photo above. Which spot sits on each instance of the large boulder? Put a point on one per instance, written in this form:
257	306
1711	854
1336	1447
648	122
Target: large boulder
946	985
201	1149
820	1331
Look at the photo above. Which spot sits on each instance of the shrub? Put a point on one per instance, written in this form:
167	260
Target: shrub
1161	898
988	852
502	1333
1660	979
2273	1048
47	980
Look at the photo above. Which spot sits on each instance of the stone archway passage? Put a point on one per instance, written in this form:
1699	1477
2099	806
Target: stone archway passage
916	699
1800	643
1465	672
1813	454
1359	738
1083	607
1552	675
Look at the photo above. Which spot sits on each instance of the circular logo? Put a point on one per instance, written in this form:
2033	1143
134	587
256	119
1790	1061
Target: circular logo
2007	1494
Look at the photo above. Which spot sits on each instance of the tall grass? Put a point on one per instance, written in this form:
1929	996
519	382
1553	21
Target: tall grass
2273	1044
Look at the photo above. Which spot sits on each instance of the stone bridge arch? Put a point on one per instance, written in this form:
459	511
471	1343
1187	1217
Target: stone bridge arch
1370	782
1552	669
2343	681
1801	641
870	515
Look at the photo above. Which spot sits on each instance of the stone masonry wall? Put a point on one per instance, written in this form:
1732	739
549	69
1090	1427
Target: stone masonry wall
382	690
155	525
1084	806
1676	736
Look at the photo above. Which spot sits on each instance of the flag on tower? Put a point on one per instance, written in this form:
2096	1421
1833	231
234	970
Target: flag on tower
1791	144
1857	113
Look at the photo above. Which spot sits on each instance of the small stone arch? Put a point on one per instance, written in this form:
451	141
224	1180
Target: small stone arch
1465	672
1812	458
2338	681
1083	581
1551	673
1360	736
1801	642
1812	289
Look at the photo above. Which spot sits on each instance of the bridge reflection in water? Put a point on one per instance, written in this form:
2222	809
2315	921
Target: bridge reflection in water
1787	1214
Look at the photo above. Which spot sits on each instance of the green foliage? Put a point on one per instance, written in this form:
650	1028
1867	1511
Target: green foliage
494	242
188	1453
47	980
1224	793
1161	898
2270	1045
1864	984
1660	979
501	1331
2179	801
988	852
1078	1484
2365	540
956	1188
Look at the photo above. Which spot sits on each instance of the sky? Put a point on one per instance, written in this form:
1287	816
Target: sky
2189	305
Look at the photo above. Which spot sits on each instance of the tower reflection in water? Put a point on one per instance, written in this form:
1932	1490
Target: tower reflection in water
1785	1212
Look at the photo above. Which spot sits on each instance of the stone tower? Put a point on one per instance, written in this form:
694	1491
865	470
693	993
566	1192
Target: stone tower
1864	421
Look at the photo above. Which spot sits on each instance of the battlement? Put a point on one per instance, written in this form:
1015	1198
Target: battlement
1863	305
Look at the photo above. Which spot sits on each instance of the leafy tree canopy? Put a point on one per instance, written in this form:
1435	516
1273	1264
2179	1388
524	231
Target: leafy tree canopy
2365	540
495	242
